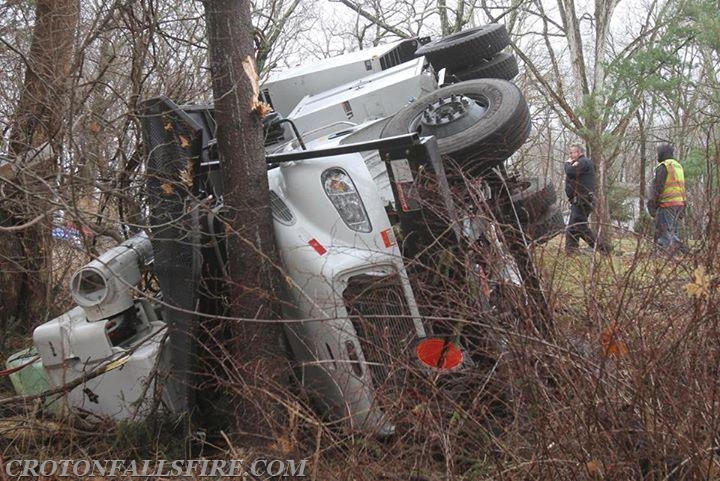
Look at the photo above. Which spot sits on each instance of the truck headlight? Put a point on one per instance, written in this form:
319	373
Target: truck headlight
341	191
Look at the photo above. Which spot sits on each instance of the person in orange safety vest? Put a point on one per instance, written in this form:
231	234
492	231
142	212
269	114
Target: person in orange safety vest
667	199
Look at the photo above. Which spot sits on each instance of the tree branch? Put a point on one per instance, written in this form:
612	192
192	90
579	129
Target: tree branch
24	226
376	20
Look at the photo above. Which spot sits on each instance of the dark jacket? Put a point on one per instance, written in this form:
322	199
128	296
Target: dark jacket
580	180
656	188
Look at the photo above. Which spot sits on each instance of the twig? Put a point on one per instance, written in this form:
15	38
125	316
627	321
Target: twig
24	226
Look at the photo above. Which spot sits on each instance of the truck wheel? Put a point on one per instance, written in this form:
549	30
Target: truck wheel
467	48
530	200
550	225
478	123
503	66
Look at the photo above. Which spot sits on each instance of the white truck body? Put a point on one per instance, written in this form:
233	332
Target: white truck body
323	257
372	97
349	305
71	346
285	89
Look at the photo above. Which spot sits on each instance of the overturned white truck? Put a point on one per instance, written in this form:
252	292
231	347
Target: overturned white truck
363	154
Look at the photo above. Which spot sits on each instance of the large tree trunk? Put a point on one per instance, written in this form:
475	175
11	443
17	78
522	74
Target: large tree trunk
254	353
571	23
41	107
602	209
38	120
597	123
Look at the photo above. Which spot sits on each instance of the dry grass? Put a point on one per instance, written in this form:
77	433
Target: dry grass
624	387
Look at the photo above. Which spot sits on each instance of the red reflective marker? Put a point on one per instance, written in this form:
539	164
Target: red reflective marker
319	248
439	353
388	237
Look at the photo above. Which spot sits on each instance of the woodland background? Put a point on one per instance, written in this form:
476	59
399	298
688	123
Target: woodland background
618	76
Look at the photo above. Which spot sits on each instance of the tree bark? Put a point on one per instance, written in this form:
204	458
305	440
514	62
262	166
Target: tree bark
255	374
597	122
444	21
643	161
48	67
596	152
575	45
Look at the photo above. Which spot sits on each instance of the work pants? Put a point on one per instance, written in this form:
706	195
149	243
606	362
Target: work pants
667	222
578	227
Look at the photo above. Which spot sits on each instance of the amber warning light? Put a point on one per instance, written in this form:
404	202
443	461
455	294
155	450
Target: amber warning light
437	353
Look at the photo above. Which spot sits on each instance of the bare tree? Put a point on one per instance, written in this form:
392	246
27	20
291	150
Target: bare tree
277	26
593	104
38	121
375	21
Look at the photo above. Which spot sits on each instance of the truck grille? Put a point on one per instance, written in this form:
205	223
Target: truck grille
280	210
382	320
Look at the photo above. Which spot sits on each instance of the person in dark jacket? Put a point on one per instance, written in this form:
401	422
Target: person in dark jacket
580	189
667	200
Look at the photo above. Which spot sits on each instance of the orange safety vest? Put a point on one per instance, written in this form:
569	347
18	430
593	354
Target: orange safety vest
674	192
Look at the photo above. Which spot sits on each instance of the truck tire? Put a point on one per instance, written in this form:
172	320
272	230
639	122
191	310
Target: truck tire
550	225
478	123
530	200
503	66
467	48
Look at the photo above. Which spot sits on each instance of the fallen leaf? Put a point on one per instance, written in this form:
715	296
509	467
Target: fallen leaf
611	343
184	142
167	188
419	409
186	175
594	468
700	287
6	170
167	125
94	128
283	444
